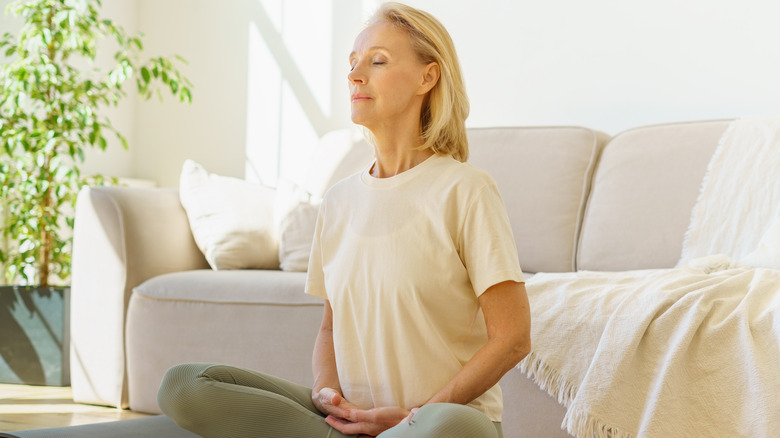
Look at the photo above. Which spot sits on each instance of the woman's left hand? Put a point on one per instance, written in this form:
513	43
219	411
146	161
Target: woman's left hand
368	421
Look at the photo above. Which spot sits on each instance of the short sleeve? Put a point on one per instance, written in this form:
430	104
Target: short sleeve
315	277
487	245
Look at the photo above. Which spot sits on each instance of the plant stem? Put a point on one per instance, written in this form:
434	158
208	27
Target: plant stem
50	22
44	256
45	253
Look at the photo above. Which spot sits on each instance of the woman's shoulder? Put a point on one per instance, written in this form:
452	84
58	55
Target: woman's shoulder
466	173
343	187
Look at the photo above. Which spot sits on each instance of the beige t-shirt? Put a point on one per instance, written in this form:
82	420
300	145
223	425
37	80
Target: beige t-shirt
402	261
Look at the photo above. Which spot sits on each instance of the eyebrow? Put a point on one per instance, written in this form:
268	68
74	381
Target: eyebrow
370	49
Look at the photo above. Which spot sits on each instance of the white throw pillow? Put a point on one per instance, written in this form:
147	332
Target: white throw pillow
296	216
338	155
231	220
767	254
296	234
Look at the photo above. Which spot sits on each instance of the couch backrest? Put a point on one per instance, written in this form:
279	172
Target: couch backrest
644	189
544	175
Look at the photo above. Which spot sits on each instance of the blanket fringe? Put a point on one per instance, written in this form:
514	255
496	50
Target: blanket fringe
576	422
582	425
548	378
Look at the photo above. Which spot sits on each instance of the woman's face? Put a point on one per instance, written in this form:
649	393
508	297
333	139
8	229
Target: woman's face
387	81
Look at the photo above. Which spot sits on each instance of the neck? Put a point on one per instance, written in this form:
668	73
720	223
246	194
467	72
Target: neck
397	154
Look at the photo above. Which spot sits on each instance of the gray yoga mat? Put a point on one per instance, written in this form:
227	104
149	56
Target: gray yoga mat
151	427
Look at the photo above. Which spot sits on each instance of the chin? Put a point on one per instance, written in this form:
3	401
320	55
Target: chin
356	119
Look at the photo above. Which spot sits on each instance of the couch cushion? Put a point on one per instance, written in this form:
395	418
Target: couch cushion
543	174
238	286
646	185
259	320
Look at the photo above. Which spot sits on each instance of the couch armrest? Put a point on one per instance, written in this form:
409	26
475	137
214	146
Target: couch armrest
122	237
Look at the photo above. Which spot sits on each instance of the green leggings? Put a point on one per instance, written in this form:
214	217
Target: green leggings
223	401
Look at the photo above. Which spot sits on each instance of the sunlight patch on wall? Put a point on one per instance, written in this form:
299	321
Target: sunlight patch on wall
263	112
308	36
299	139
289	87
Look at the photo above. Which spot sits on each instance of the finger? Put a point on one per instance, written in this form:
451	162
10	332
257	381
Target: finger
410	418
335	422
344	426
328	395
359	416
348	428
322	396
330	400
338	411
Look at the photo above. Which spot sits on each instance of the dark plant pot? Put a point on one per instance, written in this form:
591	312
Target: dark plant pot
35	335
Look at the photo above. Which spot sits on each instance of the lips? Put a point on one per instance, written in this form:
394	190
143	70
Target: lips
360	97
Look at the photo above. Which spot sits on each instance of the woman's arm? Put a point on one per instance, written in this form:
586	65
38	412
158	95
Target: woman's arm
508	319
326	379
327	396
326	392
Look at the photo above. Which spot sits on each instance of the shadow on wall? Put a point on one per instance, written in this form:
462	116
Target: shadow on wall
34	335
289	69
291	100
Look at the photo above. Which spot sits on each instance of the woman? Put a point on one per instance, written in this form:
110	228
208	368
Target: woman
425	305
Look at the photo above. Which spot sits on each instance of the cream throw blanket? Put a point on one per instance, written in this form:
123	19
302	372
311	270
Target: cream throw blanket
739	204
690	351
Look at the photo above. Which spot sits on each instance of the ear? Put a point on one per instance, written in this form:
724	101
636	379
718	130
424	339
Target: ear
430	77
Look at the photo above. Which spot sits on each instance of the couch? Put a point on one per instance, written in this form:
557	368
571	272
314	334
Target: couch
144	297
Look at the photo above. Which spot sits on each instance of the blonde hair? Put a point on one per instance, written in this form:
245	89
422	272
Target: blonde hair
446	106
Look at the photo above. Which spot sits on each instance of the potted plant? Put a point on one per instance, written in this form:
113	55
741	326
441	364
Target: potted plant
52	104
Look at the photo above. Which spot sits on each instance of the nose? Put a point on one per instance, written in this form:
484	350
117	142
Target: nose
356	76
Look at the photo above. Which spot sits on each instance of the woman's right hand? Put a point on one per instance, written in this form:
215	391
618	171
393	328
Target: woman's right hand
331	402
348	418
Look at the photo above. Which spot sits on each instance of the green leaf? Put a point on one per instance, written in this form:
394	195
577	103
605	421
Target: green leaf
48	117
123	140
185	95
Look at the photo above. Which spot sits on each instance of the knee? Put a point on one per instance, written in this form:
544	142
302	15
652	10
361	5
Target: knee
179	393
176	381
454	420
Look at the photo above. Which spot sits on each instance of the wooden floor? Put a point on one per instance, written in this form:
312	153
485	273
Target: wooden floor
39	407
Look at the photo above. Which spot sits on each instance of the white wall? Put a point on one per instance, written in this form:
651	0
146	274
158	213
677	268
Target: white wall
115	161
270	74
266	87
615	64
